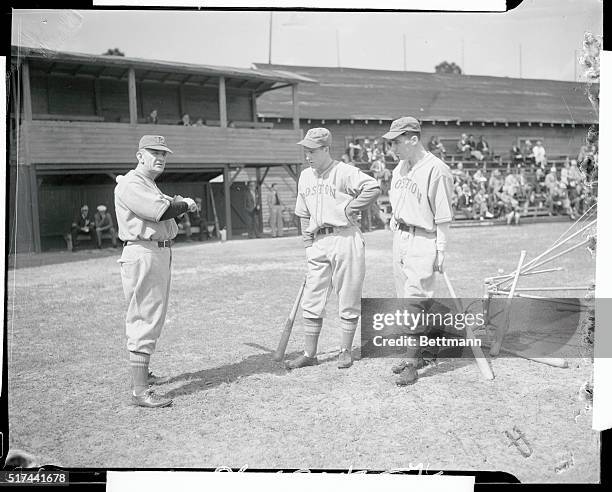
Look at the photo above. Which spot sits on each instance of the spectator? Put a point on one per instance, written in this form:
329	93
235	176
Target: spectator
540	177
511	208
465	202
463	147
185	120
355	151
539	154
516	155
275	207
199	122
83	225
481	209
528	152
184	223
252	208
483	146
104	222
152	118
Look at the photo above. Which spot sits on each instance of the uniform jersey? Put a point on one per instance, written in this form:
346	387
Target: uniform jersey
323	198
421	196
139	205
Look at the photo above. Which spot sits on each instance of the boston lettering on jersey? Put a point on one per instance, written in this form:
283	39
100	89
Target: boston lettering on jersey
320	189
410	185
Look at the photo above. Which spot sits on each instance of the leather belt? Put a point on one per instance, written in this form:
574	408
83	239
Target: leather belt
160	244
326	230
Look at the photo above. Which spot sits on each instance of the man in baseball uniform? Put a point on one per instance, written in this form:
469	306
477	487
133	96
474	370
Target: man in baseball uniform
145	217
420	195
330	193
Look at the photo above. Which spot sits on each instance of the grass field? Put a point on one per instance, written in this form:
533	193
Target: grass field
233	406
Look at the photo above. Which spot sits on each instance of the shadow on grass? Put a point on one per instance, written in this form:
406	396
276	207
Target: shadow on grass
254	364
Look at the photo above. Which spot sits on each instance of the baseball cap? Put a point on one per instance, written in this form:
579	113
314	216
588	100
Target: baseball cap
156	142
315	138
402	125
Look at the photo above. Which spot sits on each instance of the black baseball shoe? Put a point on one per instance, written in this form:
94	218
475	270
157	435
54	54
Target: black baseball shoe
408	376
154	379
150	400
302	361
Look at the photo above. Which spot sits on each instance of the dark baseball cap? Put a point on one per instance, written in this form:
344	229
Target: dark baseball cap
156	142
402	125
315	138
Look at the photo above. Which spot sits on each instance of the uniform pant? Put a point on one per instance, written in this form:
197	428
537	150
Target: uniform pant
335	260
145	275
414	256
276	220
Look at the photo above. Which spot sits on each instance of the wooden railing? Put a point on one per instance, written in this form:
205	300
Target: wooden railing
90	143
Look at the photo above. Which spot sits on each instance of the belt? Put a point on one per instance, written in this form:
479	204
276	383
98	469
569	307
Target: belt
411	228
160	244
327	230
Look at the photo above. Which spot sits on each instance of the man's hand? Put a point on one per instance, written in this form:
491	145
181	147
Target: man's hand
439	262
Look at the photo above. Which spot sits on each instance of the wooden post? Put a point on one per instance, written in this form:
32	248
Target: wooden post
296	107
254	105
228	201
27	91
132	96
222	104
98	97
34	206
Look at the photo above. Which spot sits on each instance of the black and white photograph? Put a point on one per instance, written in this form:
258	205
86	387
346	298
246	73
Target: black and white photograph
304	240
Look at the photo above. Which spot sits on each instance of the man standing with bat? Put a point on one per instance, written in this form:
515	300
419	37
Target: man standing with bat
145	217
420	196
330	194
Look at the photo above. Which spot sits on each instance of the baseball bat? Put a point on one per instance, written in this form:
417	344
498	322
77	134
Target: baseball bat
284	339
483	365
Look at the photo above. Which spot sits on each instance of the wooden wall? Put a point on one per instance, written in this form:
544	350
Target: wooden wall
556	140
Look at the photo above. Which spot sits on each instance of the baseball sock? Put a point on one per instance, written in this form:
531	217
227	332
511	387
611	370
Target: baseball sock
349	326
139	365
312	329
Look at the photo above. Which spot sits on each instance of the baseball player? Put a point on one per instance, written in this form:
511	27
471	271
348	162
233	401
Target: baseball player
330	193
420	195
145	217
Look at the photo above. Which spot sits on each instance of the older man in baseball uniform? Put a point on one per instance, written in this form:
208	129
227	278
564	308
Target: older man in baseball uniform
420	195
145	217
330	193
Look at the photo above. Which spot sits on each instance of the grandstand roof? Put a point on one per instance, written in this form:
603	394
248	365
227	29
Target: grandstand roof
360	94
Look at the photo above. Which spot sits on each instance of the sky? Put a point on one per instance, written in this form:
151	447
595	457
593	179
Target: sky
539	39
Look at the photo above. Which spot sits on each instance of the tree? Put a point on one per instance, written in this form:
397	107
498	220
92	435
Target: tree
446	67
114	52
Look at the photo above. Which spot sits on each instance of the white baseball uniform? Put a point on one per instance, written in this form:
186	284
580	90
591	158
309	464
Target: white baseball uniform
420	198
145	266
337	254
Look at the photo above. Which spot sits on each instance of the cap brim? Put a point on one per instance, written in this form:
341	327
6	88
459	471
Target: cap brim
158	147
310	144
392	135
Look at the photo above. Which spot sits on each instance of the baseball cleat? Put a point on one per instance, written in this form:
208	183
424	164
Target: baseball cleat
402	364
150	400
345	359
153	379
302	361
408	376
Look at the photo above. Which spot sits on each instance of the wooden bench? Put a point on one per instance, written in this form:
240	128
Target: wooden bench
85	237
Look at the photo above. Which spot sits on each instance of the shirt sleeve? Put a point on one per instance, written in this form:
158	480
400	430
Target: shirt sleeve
440	194
301	210
143	201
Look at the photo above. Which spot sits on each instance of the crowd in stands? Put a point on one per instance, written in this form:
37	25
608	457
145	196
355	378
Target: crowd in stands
527	184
